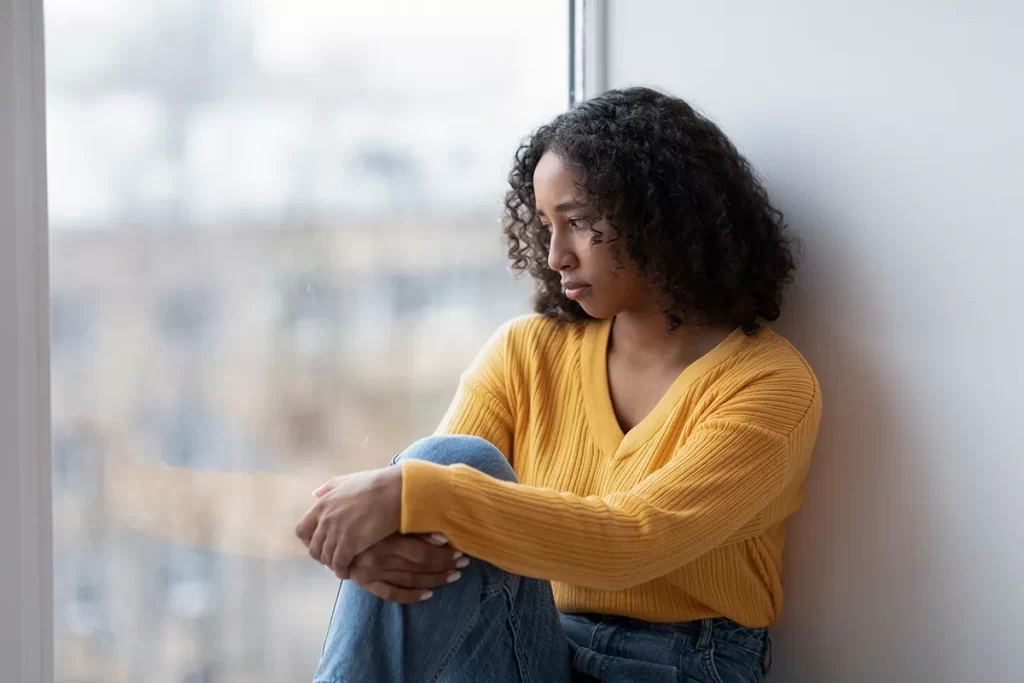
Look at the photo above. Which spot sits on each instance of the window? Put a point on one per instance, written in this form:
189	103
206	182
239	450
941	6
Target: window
186	315
70	326
274	247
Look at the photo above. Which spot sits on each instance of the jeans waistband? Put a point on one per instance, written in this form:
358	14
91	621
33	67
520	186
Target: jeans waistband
726	631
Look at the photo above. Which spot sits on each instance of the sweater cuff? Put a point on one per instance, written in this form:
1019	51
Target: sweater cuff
426	496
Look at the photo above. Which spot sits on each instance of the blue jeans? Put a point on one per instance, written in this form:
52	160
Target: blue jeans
495	627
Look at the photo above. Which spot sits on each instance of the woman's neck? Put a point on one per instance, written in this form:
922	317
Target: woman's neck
641	338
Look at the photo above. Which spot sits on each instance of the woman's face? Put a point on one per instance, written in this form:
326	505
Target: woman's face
600	277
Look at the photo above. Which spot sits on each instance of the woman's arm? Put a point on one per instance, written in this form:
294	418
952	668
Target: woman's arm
357	511
482	403
717	484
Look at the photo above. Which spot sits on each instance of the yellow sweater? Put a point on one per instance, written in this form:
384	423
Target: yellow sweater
681	518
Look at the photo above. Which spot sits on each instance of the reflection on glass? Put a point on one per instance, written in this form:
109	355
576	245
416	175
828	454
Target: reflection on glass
275	246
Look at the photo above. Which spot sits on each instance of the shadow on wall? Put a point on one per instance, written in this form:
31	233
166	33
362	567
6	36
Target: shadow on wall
864	528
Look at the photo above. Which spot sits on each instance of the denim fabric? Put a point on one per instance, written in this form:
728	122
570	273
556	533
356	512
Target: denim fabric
613	648
488	626
495	627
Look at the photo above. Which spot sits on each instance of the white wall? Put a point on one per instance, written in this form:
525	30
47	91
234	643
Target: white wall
891	134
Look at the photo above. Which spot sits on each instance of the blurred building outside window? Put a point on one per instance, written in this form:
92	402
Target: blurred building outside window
275	245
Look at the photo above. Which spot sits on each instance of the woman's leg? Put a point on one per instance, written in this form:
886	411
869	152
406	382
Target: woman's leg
490	625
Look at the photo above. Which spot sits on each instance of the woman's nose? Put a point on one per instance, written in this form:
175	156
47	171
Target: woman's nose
560	254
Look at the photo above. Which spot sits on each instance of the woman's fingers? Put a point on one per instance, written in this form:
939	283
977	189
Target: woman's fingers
435	539
377	562
418	552
316	542
340	570
327	552
405	569
405	588
403	596
405	579
326	487
395	568
408	553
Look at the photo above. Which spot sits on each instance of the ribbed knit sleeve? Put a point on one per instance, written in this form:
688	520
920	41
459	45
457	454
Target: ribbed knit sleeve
481	406
717	483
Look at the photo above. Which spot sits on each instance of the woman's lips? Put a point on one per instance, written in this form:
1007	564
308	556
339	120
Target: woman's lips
576	290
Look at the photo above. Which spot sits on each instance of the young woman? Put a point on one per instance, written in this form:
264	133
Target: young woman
605	499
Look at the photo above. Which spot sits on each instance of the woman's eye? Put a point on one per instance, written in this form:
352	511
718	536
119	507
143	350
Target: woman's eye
579	224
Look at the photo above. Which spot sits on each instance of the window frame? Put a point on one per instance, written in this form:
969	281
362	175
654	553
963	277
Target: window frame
588	65
26	562
26	498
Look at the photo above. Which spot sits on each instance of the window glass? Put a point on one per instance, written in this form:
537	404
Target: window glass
275	245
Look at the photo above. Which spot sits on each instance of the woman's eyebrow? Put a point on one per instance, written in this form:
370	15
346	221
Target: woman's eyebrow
565	207
571	205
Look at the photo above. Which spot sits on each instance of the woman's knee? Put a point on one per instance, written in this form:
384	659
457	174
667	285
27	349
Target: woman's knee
473	451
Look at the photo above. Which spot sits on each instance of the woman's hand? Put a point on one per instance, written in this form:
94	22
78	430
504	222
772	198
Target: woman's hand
353	513
405	569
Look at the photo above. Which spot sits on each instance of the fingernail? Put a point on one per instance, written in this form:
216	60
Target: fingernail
427	596
454	576
458	554
463	563
443	540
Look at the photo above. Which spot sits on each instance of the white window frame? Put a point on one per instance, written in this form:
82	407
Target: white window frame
26	538
588	72
26	547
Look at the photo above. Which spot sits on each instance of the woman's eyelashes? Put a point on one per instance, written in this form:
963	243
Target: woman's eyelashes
580	223
577	224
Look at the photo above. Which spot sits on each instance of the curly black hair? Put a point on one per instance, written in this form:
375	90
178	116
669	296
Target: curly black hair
695	219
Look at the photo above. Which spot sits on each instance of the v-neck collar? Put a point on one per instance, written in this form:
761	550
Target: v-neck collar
597	396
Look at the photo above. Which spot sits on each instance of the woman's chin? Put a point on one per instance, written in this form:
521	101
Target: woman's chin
595	310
